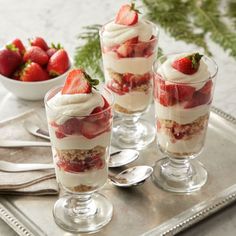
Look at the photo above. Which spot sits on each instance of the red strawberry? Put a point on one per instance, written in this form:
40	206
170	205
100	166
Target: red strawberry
33	72
127	48
53	49
78	81
58	63
18	44
91	129
37	55
77	166
206	89
127	15
198	99
187	65
59	135
10	59
70	127
166	99
179	92
39	42
117	88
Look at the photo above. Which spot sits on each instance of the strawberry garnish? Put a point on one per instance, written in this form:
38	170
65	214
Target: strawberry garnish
58	63
78	81
18	44
33	72
37	55
127	15
10	60
189	64
39	42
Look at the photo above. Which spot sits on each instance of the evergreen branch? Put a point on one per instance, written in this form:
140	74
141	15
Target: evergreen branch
232	11
88	55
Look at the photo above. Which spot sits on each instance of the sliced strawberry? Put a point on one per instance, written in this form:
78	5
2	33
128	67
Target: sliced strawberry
37	55
39	42
166	99
115	87
198	99
127	15
91	129
59	135
94	162
77	166
188	65
77	82
33	72
70	127
206	89
140	49
124	50
18	44
58	63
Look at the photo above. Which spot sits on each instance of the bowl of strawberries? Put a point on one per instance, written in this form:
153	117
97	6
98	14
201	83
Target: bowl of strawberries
29	72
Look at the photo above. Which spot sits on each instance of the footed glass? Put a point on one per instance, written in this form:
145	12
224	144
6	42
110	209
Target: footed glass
128	75
80	147
182	111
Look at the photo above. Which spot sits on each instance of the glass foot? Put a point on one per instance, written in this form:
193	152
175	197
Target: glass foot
134	135
80	214
175	178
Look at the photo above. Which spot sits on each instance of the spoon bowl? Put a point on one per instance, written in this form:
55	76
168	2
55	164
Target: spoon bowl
131	176
123	157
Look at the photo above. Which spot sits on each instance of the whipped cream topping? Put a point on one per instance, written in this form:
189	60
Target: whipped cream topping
114	34
169	73
74	104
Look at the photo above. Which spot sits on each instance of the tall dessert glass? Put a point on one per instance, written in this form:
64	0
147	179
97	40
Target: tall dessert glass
182	107
128	53
80	147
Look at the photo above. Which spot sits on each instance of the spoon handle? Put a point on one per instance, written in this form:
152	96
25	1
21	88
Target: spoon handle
18	143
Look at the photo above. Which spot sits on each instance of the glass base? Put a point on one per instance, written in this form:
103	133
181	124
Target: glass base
177	179
136	135
71	215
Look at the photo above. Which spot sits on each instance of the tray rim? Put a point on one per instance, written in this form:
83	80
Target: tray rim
21	229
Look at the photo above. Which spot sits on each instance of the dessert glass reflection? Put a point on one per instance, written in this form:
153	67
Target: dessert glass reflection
80	124
128	52
183	92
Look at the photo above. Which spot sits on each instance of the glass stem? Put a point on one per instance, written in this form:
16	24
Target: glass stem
82	206
179	169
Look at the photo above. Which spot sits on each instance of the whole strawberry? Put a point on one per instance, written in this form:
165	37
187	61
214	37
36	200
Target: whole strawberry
53	49
39	42
10	59
37	55
58	63
33	72
18	44
127	15
188	64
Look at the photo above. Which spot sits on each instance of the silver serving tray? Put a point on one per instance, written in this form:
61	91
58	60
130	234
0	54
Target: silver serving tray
146	209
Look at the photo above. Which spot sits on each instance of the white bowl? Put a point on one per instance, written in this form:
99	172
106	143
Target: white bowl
32	91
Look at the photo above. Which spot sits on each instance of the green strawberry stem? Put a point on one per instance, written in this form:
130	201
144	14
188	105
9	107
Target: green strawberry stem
93	82
132	8
58	46
12	47
195	59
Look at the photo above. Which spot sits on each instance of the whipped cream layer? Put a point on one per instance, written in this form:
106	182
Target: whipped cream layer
135	65
72	105
195	80
80	142
94	178
134	101
179	114
193	145
114	34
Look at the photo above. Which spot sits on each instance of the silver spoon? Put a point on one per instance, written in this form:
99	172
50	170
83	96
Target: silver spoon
117	159
131	176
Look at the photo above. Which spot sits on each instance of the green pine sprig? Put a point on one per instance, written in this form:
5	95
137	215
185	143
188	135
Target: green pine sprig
88	55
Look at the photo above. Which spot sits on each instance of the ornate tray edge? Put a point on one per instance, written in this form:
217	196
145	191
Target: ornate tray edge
22	230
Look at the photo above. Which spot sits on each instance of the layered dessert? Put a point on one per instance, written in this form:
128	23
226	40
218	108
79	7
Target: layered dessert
183	91
128	50
80	118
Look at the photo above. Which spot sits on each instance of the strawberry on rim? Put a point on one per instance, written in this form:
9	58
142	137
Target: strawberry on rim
188	64
127	15
78	81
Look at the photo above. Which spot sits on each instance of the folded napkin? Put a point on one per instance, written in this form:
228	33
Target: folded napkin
40	182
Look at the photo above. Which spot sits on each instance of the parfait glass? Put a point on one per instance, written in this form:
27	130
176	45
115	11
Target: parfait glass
128	75
80	148
182	113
